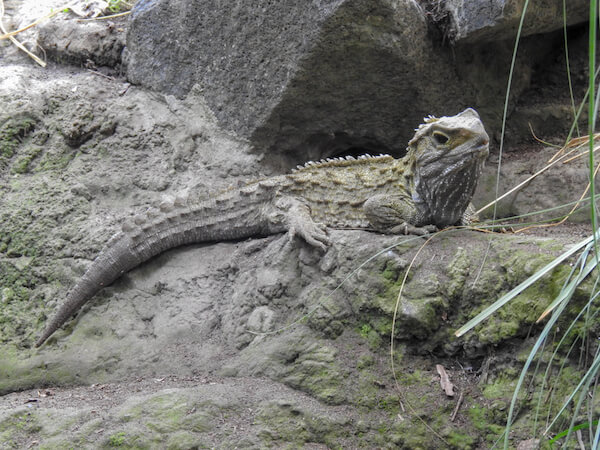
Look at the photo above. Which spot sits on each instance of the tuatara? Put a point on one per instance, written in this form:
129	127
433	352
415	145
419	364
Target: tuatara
431	187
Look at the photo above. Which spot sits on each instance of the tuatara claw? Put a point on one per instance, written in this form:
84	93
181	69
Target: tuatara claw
407	228
313	233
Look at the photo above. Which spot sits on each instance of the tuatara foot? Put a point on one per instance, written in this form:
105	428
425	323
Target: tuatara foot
294	215
407	228
312	232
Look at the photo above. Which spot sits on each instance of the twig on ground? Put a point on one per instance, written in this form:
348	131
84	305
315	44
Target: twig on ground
100	74
14	40
564	219
580	439
32	24
457	407
112	16
541	141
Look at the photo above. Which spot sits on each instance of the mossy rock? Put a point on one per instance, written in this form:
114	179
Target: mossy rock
168	413
285	423
13	131
317	372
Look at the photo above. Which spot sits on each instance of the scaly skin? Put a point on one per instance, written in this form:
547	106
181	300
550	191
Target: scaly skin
429	188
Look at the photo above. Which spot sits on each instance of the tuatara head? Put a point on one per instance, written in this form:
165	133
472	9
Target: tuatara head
448	154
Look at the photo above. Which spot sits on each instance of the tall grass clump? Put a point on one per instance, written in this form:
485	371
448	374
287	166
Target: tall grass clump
570	334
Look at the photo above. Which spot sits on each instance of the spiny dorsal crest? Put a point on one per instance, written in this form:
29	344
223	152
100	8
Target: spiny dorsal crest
341	162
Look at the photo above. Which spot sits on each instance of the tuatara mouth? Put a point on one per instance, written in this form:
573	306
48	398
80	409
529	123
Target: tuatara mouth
465	154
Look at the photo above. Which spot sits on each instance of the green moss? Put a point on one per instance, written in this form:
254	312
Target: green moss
365	330
286	423
22	369
501	388
559	385
419	310
391	404
54	161
167	413
22	164
37	224
125	440
19	308
425	315
517	317
460	441
408	378
184	440
117	439
12	132
19	426
29	214
490	284
458	271
382	325
393	270
316	371
366	397
520	265
365	361
371	336
482	419
412	433
327	317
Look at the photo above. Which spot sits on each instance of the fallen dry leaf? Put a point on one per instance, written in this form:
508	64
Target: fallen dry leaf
447	386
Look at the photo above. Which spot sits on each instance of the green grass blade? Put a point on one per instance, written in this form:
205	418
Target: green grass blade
591	265
582	396
521	287
592	105
585	381
568	68
578	427
596	438
532	353
566	334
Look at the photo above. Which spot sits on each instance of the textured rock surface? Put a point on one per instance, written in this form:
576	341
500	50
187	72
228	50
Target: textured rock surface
562	184
184	413
317	78
83	42
487	21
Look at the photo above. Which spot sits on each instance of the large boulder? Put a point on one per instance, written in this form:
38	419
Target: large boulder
317	78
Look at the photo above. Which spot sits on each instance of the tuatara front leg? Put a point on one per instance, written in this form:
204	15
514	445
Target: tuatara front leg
294	216
395	214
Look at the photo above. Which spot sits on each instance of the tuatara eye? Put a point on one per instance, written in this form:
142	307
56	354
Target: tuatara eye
440	138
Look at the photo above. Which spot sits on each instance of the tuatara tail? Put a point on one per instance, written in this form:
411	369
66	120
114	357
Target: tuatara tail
231	215
116	259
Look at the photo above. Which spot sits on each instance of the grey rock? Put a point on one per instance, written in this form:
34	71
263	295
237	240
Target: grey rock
194	412
313	79
490	20
248	54
90	43
552	194
261	319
